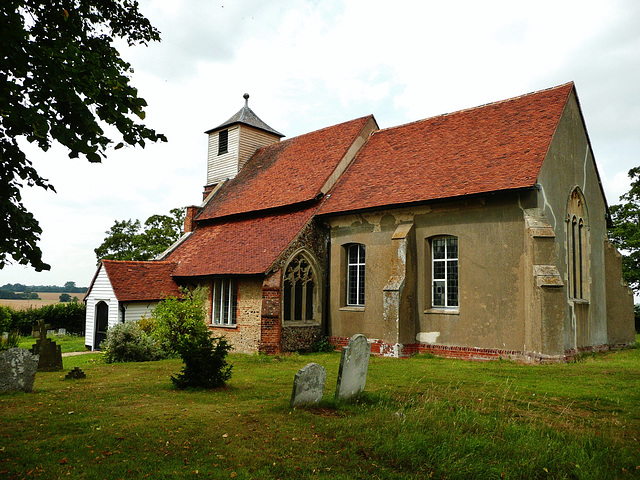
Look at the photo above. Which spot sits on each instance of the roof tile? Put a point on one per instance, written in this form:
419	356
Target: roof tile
499	146
138	281
285	173
240	247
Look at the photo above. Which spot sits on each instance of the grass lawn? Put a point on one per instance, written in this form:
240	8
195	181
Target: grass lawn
420	418
68	343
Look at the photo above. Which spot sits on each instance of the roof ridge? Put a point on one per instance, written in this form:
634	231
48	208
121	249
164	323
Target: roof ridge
484	105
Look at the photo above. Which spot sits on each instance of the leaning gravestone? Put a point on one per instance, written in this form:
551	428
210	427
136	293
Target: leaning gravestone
352	375
50	353
308	385
17	370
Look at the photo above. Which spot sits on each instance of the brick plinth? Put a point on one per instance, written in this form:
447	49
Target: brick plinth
380	348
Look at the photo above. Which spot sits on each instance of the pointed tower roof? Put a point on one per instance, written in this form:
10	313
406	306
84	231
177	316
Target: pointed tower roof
247	116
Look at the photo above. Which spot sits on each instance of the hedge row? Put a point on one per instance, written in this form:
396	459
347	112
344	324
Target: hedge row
70	316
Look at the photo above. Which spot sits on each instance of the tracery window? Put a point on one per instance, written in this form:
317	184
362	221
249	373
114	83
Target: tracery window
444	272
577	246
299	290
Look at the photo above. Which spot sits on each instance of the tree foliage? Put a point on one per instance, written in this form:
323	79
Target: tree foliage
129	240
62	80
180	327
625	232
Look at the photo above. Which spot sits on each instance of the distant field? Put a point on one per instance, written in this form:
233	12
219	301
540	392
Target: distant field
46	298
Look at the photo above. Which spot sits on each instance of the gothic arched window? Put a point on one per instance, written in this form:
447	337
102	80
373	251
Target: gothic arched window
300	291
577	246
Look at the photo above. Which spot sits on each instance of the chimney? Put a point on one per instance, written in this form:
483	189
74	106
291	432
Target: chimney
189	219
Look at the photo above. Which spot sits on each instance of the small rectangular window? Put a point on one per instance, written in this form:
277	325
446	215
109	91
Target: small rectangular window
355	274
225	302
223	142
444	272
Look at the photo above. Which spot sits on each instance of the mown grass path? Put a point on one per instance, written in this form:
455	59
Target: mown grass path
420	418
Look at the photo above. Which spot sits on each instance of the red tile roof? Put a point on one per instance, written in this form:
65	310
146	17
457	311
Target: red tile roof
138	281
494	147
238	247
285	173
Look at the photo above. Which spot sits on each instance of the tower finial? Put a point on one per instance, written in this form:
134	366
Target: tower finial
246	99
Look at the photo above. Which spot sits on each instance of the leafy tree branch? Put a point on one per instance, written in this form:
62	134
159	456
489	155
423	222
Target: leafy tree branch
62	80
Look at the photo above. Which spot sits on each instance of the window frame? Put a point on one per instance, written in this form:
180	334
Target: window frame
355	297
445	277
299	272
224	302
578	249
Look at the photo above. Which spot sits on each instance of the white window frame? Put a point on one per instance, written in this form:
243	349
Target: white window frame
446	281
356	257
224	302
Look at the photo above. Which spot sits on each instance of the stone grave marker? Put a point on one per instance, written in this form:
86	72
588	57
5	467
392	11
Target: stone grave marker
75	374
352	375
17	370
308	385
50	353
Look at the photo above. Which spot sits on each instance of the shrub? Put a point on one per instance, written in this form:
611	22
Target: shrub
12	341
180	327
70	316
147	324
126	342
205	364
323	344
5	319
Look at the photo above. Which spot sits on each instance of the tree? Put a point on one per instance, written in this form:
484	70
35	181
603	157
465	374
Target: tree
625	232
128	240
64	297
62	80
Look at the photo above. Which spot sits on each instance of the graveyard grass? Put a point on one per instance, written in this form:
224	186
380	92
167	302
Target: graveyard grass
419	418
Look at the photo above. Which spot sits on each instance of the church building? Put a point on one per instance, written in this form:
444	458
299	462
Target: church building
478	234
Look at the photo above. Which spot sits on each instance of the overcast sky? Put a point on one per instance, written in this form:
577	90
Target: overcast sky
314	63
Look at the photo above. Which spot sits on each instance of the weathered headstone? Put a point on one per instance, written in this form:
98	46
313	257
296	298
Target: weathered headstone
50	353
17	370
308	385
352	375
75	374
62	332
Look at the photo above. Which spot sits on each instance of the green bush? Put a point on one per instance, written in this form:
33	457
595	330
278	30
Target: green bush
127	342
5	319
180	327
323	344
205	364
70	316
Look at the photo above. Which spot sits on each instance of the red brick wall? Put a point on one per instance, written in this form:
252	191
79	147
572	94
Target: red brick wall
271	325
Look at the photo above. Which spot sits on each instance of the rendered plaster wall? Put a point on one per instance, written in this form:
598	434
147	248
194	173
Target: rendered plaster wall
620	316
569	164
492	274
245	335
375	232
491	237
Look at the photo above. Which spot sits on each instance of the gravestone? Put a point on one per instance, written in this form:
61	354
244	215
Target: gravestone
352	375
17	370
62	332
75	374
50	353
308	385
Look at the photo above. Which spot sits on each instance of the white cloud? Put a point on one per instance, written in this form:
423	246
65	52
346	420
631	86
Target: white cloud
309	64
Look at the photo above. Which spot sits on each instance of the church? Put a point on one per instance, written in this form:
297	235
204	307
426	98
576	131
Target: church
479	234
